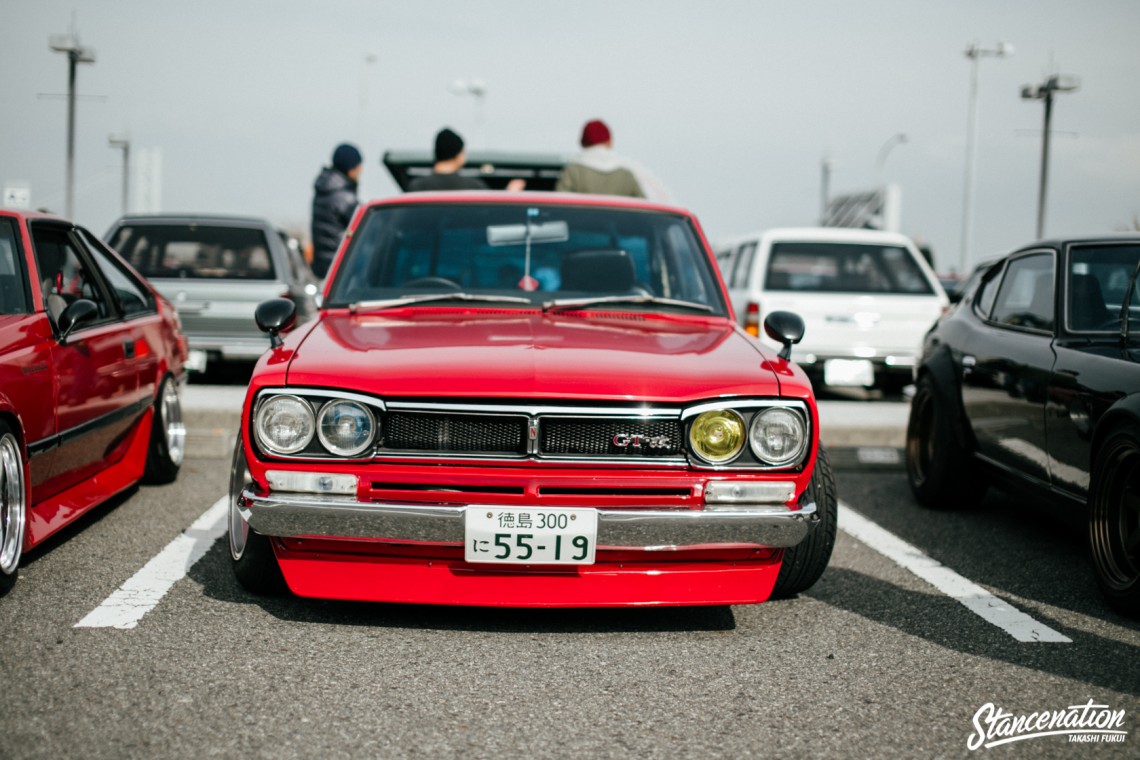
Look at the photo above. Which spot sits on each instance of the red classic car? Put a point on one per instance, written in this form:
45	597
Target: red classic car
528	400
90	363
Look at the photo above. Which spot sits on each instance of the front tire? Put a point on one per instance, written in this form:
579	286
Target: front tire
13	508
167	435
804	563
253	561
1114	520
939	469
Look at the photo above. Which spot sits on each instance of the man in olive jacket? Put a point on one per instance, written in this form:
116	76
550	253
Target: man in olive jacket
334	201
598	169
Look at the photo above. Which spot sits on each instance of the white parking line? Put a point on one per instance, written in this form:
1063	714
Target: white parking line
979	601
144	590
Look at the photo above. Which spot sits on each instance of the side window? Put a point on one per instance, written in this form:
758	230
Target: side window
13	293
743	266
64	275
987	292
1025	298
133	298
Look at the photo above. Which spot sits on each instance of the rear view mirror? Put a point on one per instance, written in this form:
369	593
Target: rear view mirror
517	234
785	327
273	316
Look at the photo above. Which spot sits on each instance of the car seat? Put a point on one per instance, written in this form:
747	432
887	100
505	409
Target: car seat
601	270
1086	303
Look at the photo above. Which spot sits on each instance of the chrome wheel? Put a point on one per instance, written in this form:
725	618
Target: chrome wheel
12	507
174	429
239	528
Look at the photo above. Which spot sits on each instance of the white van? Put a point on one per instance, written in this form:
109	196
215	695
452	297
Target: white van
866	297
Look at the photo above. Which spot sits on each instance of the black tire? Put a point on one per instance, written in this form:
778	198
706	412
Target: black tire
804	563
251	554
13	507
167	435
941	473
1114	519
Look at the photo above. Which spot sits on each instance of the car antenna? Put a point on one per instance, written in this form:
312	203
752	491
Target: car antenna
1125	308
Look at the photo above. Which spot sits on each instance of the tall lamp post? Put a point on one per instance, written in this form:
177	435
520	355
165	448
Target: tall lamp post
124	144
1044	91
76	54
974	53
885	151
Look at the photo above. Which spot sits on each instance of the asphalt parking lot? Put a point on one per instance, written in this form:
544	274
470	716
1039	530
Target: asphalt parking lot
128	637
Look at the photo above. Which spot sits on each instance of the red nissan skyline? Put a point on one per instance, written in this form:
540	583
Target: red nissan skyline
528	400
91	361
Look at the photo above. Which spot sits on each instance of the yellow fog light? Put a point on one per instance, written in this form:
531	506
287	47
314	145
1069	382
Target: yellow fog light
717	436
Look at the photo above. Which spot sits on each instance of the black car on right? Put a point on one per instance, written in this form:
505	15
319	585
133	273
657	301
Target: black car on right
1032	383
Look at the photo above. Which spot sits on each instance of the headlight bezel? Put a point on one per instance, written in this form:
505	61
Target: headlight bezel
797	452
350	452
259	421
316	400
750	410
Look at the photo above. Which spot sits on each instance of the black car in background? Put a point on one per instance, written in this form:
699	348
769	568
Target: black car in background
1033	384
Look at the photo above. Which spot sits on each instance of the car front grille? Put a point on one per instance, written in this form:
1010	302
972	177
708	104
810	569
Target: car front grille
557	434
443	433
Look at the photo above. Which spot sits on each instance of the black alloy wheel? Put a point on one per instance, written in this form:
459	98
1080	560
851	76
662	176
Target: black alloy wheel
1114	519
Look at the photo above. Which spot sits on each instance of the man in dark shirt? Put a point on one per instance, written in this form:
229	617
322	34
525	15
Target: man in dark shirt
450	157
334	202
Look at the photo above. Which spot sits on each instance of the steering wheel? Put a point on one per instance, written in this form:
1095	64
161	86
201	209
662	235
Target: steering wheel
432	282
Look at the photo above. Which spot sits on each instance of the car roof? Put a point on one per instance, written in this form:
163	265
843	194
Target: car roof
524	197
23	213
496	168
1061	242
191	218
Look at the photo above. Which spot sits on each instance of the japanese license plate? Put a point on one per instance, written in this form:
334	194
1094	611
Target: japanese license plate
196	361
556	536
848	372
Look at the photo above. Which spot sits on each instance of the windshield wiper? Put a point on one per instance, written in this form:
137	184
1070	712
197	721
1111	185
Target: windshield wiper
582	303
392	303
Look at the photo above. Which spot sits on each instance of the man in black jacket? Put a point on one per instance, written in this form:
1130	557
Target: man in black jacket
334	201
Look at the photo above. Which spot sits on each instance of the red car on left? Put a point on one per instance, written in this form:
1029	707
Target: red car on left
91	365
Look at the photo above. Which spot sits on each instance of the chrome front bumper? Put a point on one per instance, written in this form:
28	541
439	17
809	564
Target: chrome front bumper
297	515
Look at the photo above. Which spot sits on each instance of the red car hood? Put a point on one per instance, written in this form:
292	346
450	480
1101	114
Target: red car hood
457	353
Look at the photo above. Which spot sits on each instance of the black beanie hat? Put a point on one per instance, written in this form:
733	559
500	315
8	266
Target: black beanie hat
448	145
346	158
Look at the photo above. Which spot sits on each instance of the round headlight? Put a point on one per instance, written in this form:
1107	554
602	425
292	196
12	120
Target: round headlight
346	428
717	436
778	436
284	425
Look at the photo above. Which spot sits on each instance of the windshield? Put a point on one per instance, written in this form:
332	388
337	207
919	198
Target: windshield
527	254
195	251
845	268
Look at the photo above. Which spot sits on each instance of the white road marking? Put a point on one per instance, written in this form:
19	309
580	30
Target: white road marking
144	590
979	601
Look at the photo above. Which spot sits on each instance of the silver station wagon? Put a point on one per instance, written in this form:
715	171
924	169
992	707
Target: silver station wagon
216	270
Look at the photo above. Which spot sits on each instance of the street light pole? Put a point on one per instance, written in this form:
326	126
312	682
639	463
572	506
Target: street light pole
885	151
76	54
1044	91
124	144
973	52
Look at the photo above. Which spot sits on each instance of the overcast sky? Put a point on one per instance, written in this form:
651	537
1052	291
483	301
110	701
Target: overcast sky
733	104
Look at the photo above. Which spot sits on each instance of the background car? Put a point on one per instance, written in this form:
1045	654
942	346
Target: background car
91	358
1033	384
496	168
216	269
867	298
531	400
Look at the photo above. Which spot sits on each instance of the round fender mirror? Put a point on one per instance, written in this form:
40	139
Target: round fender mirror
273	316
785	327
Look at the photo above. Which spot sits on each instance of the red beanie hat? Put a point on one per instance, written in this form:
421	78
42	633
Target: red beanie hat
594	133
